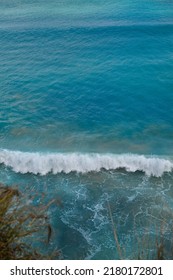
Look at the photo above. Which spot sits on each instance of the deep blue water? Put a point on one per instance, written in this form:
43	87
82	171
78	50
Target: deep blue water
86	115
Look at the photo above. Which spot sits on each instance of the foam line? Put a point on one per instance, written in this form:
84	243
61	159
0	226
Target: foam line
43	163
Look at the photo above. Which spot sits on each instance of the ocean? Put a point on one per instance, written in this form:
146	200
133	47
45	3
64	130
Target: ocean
86	117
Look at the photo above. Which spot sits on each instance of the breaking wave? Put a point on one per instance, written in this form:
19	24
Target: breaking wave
43	163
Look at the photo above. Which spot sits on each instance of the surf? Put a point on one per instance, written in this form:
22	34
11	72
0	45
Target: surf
44	163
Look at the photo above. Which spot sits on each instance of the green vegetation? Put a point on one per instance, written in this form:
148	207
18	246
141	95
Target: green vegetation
19	223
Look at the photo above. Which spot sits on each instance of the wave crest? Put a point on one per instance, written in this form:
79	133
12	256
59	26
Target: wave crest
43	163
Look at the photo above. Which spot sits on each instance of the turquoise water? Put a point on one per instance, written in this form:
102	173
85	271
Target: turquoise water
86	115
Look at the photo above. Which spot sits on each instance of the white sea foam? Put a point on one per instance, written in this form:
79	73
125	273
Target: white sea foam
43	163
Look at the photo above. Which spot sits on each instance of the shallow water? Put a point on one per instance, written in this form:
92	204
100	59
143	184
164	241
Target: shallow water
86	116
